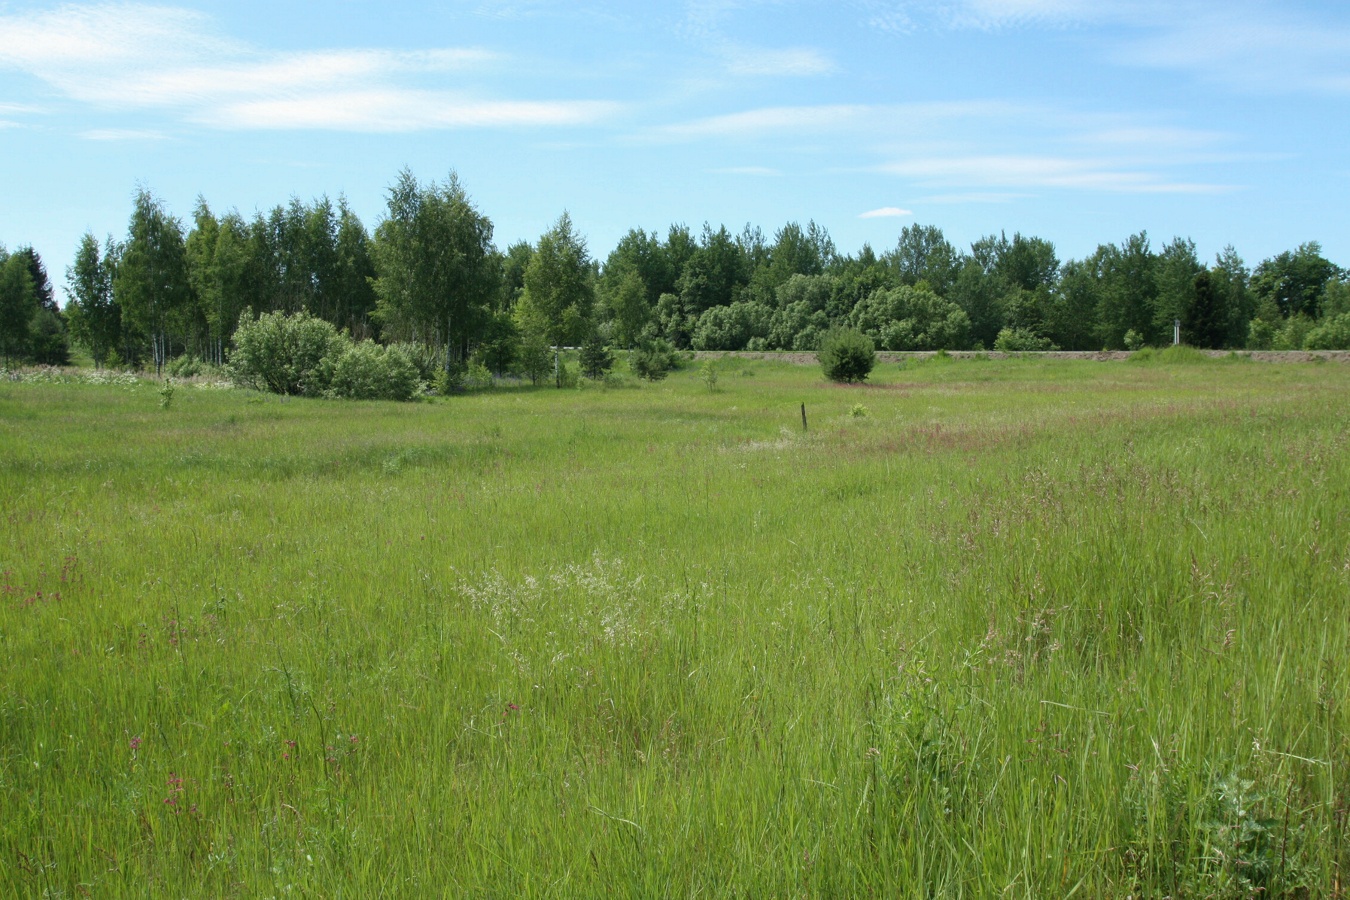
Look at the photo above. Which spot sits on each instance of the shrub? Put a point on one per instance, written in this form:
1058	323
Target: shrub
708	373
478	377
653	360
1019	340
499	346
367	371
427	360
185	366
1331	334
534	358
1292	335
595	359
1260	335
1133	340
912	318
285	354
847	355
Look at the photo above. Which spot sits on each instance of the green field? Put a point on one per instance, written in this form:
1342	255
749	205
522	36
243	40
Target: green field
988	628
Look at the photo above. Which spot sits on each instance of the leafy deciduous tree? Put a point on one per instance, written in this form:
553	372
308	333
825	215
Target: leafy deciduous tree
95	319
151	281
559	290
434	256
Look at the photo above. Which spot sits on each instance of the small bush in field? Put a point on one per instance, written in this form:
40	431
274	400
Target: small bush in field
596	359
708	373
653	360
847	356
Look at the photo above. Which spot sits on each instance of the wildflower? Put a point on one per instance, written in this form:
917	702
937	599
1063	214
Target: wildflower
135	744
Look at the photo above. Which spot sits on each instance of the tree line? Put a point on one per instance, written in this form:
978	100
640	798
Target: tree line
430	275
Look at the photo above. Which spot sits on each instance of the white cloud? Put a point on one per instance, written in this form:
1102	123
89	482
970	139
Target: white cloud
886	212
1031	171
904	118
1155	137
140	57
122	134
1254	46
974	197
904	16
756	171
792	61
770	119
401	111
985	151
1004	13
1258	45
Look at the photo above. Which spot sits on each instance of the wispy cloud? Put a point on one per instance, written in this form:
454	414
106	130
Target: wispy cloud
886	212
706	23
1259	45
753	171
400	111
904	16
122	134
18	109
1007	13
1153	137
141	57
986	150
791	62
973	197
758	122
1041	172
879	119
1252	45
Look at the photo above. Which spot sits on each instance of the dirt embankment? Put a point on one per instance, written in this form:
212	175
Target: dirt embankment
894	356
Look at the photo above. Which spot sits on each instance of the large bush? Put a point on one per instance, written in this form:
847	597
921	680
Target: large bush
1293	333
1332	334
912	318
1017	340
367	371
847	355
286	354
429	361
653	360
730	327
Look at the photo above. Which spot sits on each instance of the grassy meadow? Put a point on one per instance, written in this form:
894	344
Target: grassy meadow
1022	628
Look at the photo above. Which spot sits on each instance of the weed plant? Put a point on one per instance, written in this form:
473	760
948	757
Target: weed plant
1029	628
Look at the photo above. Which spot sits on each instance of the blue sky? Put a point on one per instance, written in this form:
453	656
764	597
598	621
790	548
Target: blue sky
1079	121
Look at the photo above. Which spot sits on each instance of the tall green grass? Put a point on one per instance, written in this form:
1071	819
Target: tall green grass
1026	628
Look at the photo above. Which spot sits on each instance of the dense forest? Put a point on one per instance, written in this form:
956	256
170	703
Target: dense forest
430	275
